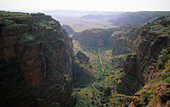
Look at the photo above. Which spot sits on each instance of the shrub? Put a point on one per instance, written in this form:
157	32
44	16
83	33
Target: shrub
164	56
168	103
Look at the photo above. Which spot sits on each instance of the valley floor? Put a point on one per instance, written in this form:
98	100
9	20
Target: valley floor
106	69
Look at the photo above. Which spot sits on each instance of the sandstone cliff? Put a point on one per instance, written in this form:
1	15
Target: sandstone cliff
120	47
35	61
123	43
95	37
83	75
145	67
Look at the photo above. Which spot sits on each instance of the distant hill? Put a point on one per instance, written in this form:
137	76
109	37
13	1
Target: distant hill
91	16
68	29
137	18
79	13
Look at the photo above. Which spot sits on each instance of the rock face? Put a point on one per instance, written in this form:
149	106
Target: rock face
133	40
128	83
95	37
101	37
83	75
139	68
35	61
127	42
120	47
82	57
68	29
120	33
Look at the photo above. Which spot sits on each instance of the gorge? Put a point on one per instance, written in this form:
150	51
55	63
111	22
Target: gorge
41	65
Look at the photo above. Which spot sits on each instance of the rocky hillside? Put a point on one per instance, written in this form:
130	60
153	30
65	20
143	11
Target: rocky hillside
68	29
137	18
148	69
35	61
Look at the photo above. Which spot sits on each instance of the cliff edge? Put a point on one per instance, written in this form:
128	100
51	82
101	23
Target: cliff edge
35	61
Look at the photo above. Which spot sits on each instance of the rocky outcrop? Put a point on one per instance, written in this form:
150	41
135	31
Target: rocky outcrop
140	68
35	61
68	29
82	57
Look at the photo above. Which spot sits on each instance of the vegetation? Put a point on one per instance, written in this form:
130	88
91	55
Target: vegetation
107	70
31	36
161	77
16	22
100	92
160	26
94	83
164	56
7	14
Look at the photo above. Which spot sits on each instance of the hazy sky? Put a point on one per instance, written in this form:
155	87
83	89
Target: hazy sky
102	5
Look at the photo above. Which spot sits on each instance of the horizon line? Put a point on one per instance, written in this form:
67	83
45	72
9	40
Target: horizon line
43	10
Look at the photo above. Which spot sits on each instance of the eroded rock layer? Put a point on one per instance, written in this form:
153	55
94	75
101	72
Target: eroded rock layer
140	68
35	61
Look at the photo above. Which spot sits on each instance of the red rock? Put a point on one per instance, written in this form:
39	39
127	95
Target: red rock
33	62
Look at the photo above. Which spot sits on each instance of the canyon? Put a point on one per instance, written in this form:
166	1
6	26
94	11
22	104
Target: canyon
44	64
